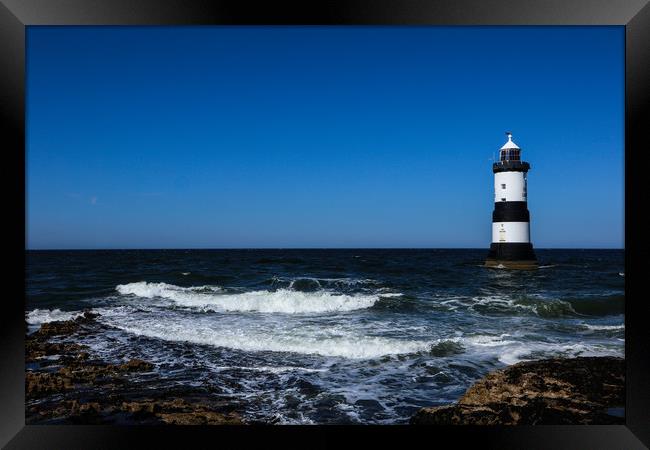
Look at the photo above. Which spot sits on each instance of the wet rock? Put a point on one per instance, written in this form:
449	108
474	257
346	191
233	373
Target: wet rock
66	385
176	404
201	418
35	349
87	317
553	391
446	348
91	408
42	383
180	412
56	328
79	369
85	374
63	327
135	365
142	407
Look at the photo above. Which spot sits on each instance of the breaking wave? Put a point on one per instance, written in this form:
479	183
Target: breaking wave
280	369
603	327
548	308
340	342
599	306
308	284
542	307
508	349
214	298
345	346
39	316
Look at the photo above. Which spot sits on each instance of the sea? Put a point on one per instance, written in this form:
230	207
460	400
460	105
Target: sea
331	336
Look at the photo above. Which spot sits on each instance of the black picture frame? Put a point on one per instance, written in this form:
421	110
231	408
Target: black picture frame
634	15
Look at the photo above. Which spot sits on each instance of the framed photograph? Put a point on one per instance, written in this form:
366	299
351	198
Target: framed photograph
367	223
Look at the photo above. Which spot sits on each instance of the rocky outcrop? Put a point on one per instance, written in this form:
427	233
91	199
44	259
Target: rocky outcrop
180	412
63	384
135	365
583	390
39	384
36	349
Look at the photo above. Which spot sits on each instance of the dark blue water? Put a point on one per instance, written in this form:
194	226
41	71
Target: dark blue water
332	336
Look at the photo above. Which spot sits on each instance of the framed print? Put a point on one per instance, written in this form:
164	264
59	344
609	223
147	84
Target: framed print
361	222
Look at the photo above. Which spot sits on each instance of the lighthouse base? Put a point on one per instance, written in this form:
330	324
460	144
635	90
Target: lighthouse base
512	255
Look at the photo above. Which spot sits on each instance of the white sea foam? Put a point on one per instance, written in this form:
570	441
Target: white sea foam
272	333
489	341
280	301
540	307
281	369
256	337
328	282
39	316
500	302
525	351
149	290
603	327
511	351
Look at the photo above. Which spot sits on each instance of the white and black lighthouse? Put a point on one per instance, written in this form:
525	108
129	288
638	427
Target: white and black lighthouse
511	247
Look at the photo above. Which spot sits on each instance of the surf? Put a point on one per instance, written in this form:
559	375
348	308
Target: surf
283	300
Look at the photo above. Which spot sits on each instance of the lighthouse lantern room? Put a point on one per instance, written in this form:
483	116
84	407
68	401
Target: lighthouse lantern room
511	247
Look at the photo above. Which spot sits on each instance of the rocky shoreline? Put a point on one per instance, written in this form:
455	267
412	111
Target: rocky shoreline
65	385
576	391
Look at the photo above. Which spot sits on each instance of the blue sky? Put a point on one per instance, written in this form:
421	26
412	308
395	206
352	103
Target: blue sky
210	137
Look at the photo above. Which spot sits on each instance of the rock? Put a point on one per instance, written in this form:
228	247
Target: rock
76	388
88	409
180	412
177	404
79	369
87	317
42	383
56	328
85	374
201	418
446	348
143	407
63	327
35	349
552	391
135	365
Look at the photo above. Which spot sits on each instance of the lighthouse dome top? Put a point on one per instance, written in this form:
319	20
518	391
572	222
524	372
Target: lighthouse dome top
510	145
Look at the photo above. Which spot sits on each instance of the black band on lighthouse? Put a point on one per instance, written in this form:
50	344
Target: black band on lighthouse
510	166
510	212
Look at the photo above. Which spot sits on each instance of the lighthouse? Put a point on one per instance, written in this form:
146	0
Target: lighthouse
511	247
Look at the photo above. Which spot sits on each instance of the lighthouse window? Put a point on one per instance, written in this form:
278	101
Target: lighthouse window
503	186
503	199
510	155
